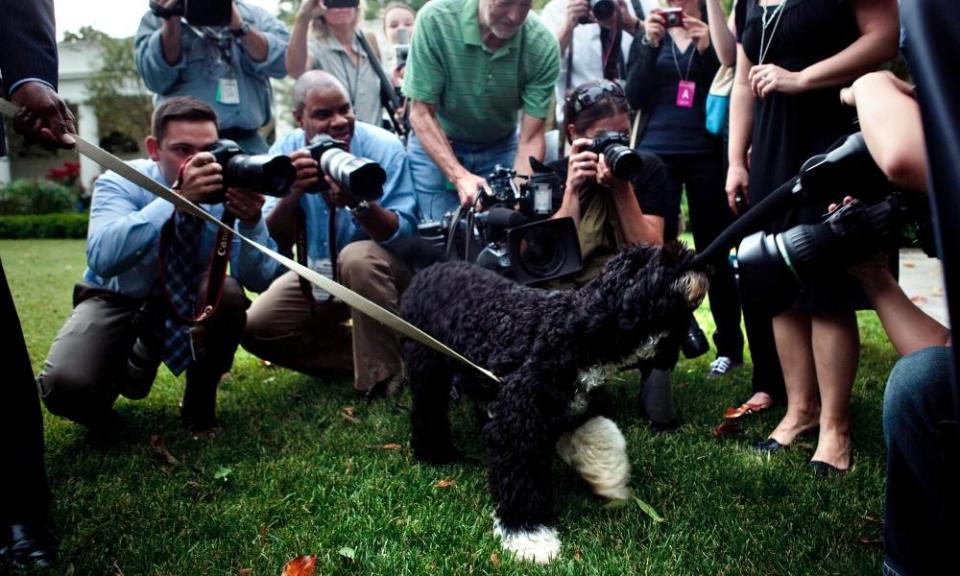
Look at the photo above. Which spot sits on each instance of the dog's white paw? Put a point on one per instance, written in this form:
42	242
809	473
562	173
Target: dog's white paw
615	493
541	544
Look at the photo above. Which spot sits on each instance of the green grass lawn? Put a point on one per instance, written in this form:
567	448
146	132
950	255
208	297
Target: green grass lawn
290	474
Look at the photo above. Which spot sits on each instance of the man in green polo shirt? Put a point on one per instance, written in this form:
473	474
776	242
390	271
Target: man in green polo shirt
473	65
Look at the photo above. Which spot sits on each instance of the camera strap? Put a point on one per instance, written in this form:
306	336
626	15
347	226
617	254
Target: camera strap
302	247
388	96
349	297
216	265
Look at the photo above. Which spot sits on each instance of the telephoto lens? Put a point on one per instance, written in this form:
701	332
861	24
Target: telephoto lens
623	161
360	178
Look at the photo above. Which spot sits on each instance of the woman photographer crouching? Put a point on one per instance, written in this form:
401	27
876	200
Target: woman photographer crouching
611	212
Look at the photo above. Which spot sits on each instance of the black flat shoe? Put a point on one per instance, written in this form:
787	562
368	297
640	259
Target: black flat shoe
825	470
26	545
767	445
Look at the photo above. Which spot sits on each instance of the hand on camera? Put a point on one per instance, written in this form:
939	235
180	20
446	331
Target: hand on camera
698	32
245	204
172	21
653	28
606	178
201	178
308	173
311	9
767	78
468	188
582	165
577	10
738	181
43	117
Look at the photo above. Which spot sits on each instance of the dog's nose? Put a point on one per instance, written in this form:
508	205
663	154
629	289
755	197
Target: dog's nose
694	286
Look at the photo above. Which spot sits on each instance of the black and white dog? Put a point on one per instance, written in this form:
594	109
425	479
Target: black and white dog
551	349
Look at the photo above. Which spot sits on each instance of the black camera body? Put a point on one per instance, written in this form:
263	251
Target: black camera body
602	10
360	178
197	12
773	267
509	234
268	174
623	161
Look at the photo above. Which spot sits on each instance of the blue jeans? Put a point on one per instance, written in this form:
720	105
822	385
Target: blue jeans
920	526
435	195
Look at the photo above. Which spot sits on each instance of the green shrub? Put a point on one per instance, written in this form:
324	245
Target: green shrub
35	196
63	225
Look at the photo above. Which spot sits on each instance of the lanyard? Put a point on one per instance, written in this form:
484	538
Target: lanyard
765	20
676	62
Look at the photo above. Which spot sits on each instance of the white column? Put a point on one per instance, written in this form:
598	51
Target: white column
5	175
89	131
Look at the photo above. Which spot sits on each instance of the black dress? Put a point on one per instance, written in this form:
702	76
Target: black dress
790	128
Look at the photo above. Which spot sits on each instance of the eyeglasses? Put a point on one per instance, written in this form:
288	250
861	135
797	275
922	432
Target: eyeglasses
594	93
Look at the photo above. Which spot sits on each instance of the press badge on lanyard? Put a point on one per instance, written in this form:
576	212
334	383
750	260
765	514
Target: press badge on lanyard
685	91
228	91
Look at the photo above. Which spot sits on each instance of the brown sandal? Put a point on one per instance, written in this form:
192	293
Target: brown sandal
744	409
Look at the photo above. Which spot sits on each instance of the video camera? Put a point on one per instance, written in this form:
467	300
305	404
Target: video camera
268	174
357	177
500	235
773	267
197	12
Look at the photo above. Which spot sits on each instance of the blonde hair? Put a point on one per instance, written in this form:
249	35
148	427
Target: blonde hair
394	5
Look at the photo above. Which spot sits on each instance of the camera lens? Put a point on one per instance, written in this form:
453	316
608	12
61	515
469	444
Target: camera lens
359	177
267	174
624	161
603	10
541	254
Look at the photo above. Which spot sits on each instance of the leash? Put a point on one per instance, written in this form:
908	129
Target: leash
351	298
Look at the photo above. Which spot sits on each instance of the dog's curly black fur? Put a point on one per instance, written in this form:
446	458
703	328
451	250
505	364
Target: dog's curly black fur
538	342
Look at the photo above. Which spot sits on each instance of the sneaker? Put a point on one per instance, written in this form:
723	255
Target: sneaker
722	366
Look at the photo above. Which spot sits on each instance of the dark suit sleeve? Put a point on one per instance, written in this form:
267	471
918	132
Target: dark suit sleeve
28	43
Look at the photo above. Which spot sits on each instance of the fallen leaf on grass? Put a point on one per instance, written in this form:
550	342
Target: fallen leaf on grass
246	571
348	414
615	504
648	510
262	536
577	556
390	446
494	559
223	473
301	566
347	552
444	483
160	450
872	519
875	542
726	429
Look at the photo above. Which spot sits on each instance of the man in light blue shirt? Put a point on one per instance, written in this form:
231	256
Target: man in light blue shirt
304	329
229	68
123	321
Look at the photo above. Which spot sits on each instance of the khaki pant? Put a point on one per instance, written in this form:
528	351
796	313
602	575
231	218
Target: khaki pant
286	328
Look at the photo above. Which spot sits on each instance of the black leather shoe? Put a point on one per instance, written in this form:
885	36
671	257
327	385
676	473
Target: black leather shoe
767	445
28	545
825	470
198	409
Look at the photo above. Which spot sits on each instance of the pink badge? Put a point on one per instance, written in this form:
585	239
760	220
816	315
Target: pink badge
685	92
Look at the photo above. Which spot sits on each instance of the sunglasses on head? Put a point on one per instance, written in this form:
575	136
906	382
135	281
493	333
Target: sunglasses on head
589	96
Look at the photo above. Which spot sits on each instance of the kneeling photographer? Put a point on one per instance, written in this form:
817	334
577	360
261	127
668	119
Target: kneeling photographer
919	427
353	199
614	195
155	289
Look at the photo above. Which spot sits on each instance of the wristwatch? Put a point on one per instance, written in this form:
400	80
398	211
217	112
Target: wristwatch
241	31
361	208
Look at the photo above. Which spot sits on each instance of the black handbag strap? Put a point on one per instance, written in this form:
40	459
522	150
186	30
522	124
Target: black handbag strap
388	96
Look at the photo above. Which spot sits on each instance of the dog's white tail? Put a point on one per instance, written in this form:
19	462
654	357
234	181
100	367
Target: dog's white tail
597	450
